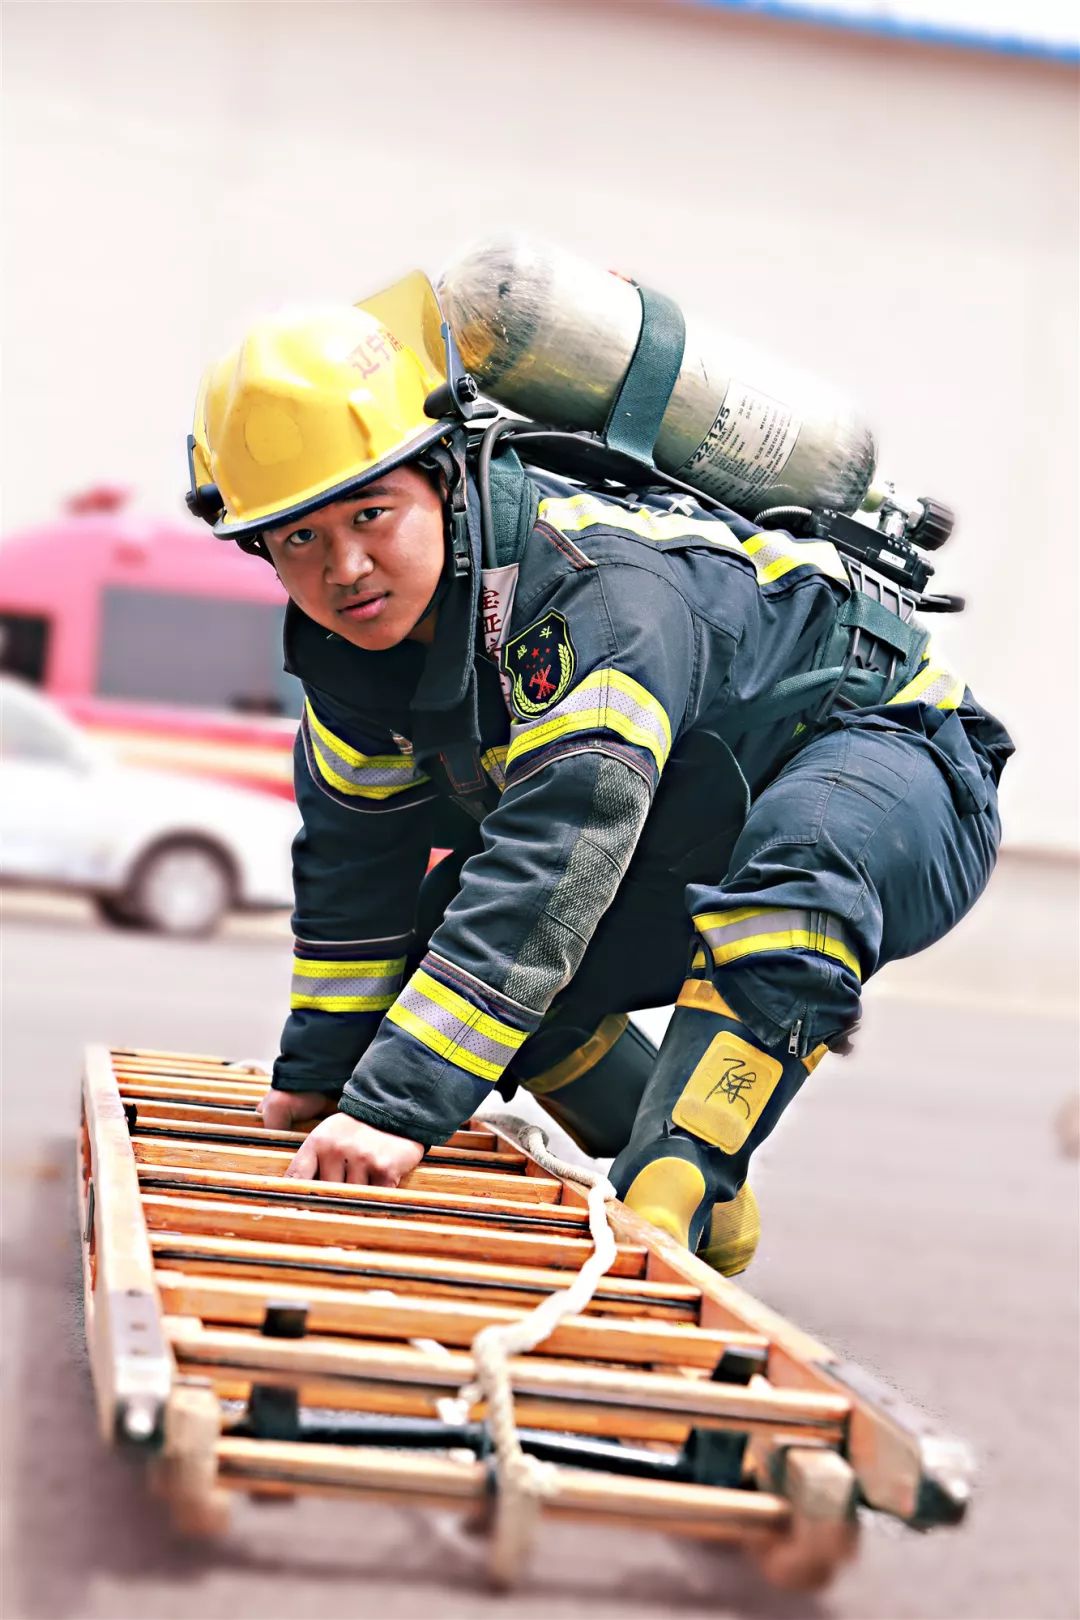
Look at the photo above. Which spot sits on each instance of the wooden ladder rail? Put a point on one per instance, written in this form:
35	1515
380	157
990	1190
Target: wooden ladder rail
904	1465
131	1360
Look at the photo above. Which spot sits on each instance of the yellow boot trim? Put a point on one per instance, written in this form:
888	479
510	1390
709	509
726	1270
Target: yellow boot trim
811	1061
733	1233
668	1193
582	1059
700	993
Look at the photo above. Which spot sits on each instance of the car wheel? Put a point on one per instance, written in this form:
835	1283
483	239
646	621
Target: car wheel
183	888
114	909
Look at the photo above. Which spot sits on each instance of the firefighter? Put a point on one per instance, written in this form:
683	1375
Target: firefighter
588	719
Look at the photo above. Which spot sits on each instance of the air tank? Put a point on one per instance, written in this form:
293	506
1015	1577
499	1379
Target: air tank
549	336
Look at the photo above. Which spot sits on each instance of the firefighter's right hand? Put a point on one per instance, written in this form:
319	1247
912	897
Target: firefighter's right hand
285	1110
346	1149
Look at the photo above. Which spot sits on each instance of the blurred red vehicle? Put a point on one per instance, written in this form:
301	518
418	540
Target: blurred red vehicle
160	640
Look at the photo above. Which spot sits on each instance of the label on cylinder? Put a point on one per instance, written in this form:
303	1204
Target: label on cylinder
747	447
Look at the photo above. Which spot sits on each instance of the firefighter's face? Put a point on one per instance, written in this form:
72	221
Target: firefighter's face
367	567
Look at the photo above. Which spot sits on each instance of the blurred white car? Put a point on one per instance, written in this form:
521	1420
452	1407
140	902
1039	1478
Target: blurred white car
152	850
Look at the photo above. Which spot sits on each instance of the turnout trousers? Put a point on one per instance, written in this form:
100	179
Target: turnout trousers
870	844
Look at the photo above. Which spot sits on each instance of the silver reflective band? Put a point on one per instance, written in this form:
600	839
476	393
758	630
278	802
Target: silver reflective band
345	986
753	930
370	776
772	552
606	700
453	1028
935	685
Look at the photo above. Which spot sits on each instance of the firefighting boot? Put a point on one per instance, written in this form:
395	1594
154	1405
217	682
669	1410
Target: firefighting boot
729	1241
714	1096
591	1083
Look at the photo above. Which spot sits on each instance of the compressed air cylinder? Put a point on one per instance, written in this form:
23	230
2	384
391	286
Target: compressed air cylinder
549	336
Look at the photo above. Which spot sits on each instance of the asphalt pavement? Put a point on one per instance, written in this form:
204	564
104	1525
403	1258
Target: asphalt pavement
919	1214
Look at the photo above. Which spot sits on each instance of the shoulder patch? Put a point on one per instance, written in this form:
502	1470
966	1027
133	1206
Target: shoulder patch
540	663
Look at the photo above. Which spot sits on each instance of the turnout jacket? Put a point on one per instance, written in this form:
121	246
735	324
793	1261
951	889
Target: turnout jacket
617	646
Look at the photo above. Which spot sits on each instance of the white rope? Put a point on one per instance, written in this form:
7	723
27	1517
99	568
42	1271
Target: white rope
524	1481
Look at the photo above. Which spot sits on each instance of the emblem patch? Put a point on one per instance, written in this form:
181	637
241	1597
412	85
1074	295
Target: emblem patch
540	664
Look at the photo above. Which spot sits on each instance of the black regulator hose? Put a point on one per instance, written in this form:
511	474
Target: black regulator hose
768	518
492	435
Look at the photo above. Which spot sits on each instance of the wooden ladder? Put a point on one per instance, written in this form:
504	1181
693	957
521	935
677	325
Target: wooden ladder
261	1334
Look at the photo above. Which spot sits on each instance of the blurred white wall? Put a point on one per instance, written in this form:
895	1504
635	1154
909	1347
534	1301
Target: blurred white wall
901	219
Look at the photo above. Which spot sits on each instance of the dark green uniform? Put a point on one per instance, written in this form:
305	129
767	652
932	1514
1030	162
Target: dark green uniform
594	733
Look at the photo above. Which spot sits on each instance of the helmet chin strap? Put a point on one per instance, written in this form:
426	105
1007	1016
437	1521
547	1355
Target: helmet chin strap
447	460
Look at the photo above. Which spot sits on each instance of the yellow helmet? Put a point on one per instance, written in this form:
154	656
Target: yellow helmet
314	403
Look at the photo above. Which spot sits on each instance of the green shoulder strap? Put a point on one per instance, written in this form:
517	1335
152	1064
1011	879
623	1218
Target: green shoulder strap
513	507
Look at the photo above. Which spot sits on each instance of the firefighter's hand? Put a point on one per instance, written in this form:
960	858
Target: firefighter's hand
345	1149
285	1110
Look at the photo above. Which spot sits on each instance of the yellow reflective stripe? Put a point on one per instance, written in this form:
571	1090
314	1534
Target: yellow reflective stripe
782	553
585	720
311	968
494	762
634	689
817	554
445	1046
948	687
345	987
579	512
731	935
582	1059
453	1028
354	789
351	756
788	940
369	771
343	1003
722	919
442	1045
451	1002
654	734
